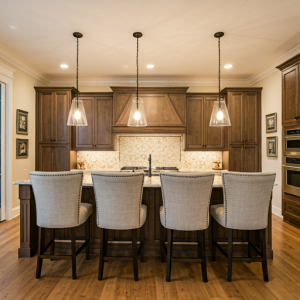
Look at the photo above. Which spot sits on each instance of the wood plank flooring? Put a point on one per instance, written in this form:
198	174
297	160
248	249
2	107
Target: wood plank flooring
17	276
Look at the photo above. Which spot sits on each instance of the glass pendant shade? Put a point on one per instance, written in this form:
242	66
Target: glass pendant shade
137	116
77	115
220	116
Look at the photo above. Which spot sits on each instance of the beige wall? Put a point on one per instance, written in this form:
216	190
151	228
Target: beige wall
23	98
271	102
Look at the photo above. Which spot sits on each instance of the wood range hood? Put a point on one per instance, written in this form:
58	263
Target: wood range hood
165	109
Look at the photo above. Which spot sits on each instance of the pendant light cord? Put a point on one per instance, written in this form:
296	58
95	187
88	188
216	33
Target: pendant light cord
137	73
77	72
219	75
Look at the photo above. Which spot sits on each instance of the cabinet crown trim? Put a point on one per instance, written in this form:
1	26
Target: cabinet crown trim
292	61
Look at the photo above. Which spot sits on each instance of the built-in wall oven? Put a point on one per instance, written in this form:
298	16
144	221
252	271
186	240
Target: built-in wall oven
291	142
291	175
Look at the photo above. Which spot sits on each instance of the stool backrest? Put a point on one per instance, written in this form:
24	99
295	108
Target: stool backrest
247	199
186	199
57	197
118	199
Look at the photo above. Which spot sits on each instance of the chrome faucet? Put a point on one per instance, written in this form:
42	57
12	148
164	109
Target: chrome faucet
150	170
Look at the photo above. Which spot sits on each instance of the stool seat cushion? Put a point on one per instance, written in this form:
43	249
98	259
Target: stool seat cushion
218	213
143	214
86	209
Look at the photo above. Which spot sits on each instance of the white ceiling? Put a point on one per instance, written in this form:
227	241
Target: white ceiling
178	36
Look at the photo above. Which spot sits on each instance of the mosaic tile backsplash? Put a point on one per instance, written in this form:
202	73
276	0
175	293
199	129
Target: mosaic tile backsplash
134	150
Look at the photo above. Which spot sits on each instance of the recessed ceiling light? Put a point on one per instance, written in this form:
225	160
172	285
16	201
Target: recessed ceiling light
64	66
228	66
12	27
150	66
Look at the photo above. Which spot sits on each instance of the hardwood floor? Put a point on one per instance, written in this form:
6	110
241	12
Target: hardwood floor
17	276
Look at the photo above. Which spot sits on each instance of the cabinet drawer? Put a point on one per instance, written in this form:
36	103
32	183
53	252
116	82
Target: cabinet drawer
291	210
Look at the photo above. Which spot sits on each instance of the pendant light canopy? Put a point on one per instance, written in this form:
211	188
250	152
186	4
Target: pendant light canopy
77	115
219	116
137	116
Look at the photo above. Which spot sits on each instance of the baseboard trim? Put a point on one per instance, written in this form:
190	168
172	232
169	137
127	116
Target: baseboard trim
277	211
15	212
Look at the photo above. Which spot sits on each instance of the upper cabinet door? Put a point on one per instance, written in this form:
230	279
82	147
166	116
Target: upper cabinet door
45	117
195	124
251	117
62	103
214	136
85	134
103	123
290	95
236	114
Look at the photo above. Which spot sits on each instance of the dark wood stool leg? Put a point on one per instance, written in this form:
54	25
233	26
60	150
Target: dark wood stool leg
203	264
87	237
105	241
162	243
249	247
135	260
264	254
142	241
213	239
101	261
229	254
199	240
52	237
41	244
73	249
169	254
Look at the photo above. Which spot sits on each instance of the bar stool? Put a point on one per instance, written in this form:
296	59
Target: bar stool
58	205
246	206
186	200
119	207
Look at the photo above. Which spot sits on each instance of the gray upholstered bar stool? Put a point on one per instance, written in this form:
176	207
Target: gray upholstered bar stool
58	205
186	200
246	206
119	207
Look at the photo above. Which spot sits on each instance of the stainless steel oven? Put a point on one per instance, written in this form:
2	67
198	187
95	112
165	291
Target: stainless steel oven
291	175
291	142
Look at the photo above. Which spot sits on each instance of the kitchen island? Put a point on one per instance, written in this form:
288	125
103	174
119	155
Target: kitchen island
119	240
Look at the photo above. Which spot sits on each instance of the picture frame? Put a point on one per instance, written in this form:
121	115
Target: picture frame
272	146
271	123
22	122
22	148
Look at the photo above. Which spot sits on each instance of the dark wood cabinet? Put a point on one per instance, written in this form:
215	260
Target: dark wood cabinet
290	91
201	136
244	134
54	158
53	111
53	135
98	134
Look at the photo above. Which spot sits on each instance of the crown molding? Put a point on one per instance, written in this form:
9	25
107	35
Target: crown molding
147	82
271	68
6	70
18	62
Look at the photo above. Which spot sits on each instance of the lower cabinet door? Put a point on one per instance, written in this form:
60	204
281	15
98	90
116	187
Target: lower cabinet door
236	158
243	158
251	155
61	158
46	158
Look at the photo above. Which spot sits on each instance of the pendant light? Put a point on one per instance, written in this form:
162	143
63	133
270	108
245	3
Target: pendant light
137	116
77	115
219	116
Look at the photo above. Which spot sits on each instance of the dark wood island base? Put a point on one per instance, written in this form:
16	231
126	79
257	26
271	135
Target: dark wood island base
185	243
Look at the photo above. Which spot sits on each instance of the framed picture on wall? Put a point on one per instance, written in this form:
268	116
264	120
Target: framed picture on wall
22	148
271	123
272	147
22	122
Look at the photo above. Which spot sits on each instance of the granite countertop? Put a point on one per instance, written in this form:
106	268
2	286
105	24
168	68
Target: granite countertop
150	182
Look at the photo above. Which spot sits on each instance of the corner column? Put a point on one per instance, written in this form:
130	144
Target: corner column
28	227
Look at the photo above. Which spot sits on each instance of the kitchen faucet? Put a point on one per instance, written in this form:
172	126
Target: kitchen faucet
150	172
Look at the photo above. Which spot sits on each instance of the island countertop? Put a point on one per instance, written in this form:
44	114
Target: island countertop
149	182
